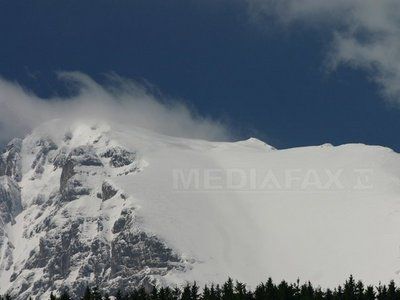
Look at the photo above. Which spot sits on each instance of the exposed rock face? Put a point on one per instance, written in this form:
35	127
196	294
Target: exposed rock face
129	259
84	156
45	145
10	164
75	169
2	166
10	199
119	157
75	226
134	253
108	190
10	207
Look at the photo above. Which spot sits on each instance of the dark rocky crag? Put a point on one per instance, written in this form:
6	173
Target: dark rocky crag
10	197
101	247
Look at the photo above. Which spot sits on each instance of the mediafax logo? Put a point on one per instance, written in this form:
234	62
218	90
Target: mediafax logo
197	180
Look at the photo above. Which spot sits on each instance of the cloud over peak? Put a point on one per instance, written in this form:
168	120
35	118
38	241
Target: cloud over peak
119	99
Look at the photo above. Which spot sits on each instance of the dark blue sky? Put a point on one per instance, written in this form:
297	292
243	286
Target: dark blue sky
264	81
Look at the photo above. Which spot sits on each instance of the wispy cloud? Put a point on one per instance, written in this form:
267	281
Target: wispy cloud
119	99
365	33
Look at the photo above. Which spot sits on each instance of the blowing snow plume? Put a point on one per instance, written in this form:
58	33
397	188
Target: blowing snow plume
119	99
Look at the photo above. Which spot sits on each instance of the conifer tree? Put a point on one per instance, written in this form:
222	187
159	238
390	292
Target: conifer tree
349	288
107	297
369	293
119	296
328	295
227	290
142	294
176	294
206	293
88	294
382	292
186	293
65	296
240	290
270	290
162	295
319	294
96	295
359	290
154	293
194	292
392	291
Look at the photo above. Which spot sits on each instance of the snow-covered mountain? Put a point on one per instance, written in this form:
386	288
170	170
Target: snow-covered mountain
89	202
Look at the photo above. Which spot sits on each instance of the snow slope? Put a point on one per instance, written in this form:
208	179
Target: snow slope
198	210
309	232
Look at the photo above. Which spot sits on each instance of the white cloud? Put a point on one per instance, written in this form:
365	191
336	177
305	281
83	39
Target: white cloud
119	99
366	33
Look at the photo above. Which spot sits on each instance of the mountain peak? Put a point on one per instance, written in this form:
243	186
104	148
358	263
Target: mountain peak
93	203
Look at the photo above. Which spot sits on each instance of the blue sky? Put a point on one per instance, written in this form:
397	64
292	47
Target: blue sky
262	77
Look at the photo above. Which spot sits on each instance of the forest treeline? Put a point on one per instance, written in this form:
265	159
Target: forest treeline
234	290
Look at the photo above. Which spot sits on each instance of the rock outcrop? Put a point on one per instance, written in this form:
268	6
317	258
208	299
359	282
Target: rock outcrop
76	226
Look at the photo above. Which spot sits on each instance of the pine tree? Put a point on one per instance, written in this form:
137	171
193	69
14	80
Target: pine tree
227	290
118	295
96	295
369	293
65	296
107	296
214	293
392	292
359	290
218	292
186	293
282	290
162	295
176	294
349	288
142	294
270	290
88	294
328	295
306	291
154	294
194	291
381	292
260	292
338	293
240	291
206	293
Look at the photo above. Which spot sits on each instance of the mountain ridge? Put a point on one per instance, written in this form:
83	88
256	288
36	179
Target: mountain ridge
93	203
